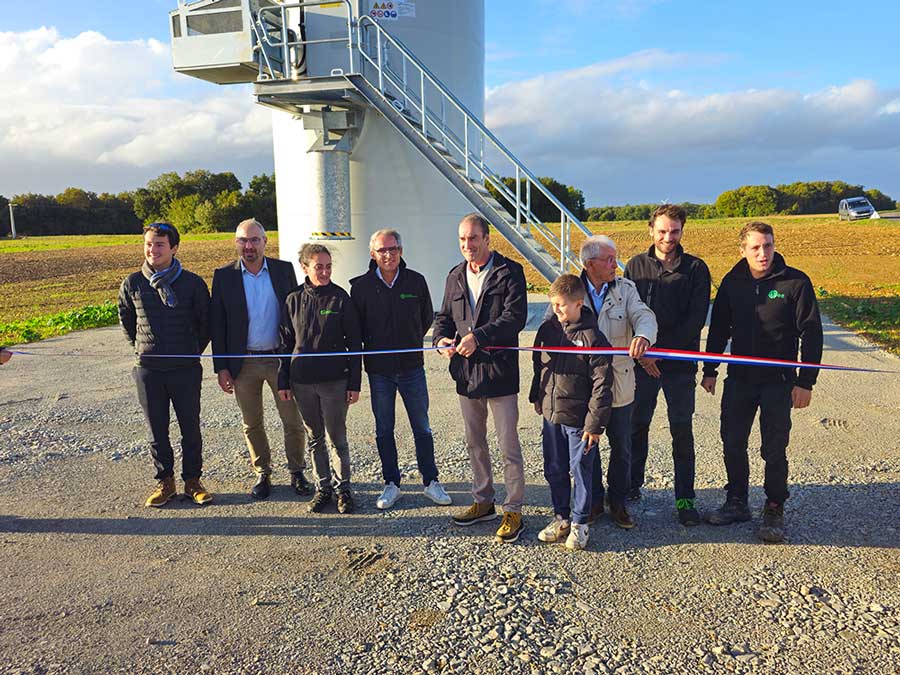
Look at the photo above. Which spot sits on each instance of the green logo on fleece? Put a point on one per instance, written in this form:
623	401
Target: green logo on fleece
408	296
325	312
773	294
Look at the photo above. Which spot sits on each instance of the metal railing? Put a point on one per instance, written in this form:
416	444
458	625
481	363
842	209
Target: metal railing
413	87
435	112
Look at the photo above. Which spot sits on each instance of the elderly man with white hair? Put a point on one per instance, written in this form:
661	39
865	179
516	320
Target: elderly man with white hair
626	322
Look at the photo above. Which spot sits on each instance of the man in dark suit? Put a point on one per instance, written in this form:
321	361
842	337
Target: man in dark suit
247	300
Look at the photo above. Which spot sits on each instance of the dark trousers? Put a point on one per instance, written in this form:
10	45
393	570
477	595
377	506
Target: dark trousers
156	389
679	389
618	478
564	455
413	391
740	401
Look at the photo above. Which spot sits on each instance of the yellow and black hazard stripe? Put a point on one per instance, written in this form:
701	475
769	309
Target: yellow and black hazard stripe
330	235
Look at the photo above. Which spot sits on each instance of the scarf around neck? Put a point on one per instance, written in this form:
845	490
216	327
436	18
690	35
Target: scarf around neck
162	281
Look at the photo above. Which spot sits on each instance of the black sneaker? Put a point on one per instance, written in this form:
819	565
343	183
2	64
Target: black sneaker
345	502
772	527
263	487
320	500
689	517
634	495
300	484
732	511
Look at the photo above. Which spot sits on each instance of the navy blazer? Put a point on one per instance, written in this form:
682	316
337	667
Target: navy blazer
228	317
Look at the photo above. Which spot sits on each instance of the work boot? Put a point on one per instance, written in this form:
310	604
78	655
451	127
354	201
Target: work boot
263	487
732	511
772	527
510	527
620	516
300	484
194	489
165	490
475	514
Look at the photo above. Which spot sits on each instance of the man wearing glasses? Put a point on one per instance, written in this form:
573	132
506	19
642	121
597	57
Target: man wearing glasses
626	322
395	312
164	311
247	300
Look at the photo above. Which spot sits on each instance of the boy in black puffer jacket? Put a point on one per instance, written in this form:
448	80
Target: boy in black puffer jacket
573	392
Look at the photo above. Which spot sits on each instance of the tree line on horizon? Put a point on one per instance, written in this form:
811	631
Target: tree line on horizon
204	201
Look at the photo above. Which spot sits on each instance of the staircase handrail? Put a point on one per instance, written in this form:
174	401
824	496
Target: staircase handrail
473	119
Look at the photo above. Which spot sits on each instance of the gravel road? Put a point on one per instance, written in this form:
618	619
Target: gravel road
95	583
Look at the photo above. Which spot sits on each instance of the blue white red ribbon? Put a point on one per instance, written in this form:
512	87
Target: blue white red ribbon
667	354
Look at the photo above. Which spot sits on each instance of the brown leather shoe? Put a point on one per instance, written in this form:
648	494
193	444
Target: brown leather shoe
620	516
596	513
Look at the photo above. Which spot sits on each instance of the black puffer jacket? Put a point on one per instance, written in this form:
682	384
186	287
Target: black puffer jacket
573	389
154	328
319	319
680	300
770	317
498	319
395	317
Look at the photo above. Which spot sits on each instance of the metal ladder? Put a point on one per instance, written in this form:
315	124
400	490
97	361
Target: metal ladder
419	106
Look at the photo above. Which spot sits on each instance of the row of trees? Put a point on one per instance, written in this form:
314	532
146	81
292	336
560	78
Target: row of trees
203	201
198	201
796	198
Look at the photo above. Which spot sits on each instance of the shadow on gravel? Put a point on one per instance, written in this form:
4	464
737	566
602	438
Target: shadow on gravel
816	515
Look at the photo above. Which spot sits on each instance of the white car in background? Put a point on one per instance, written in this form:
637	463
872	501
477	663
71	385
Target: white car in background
855	208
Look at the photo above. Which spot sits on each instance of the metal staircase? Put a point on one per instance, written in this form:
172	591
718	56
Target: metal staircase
384	74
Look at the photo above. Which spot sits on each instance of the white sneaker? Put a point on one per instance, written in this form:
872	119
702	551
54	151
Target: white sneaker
578	537
436	493
389	497
555	531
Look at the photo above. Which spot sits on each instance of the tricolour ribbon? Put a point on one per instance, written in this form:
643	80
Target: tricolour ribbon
668	354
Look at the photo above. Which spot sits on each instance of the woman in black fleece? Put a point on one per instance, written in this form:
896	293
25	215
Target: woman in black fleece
318	317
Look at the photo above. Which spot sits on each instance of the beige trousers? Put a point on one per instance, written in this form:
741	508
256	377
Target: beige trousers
248	389
505	410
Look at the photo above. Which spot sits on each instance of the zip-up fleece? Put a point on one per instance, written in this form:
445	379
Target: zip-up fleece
573	389
320	319
680	300
395	317
498	319
770	317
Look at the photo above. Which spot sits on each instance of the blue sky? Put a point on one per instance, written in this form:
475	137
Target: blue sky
629	100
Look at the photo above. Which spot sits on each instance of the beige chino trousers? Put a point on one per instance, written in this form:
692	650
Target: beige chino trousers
505	410
248	390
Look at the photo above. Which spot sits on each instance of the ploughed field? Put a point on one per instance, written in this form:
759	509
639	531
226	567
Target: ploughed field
855	267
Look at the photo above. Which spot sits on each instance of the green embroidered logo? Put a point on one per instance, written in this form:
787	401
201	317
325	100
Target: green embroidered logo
408	296
773	294
325	312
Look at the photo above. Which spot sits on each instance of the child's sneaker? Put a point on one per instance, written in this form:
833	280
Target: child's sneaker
557	530
578	537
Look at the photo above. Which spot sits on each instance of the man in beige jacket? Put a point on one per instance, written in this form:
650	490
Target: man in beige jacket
626	322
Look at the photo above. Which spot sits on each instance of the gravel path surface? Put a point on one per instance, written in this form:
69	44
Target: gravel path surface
94	582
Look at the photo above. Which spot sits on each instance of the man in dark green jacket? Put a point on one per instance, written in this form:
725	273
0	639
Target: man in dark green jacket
767	310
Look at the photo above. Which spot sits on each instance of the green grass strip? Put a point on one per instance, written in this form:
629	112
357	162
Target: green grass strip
51	325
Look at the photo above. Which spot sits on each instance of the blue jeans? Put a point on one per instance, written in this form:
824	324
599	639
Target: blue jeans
564	455
414	393
618	478
678	389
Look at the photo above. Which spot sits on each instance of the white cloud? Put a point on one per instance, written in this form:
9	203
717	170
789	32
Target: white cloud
596	118
94	112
